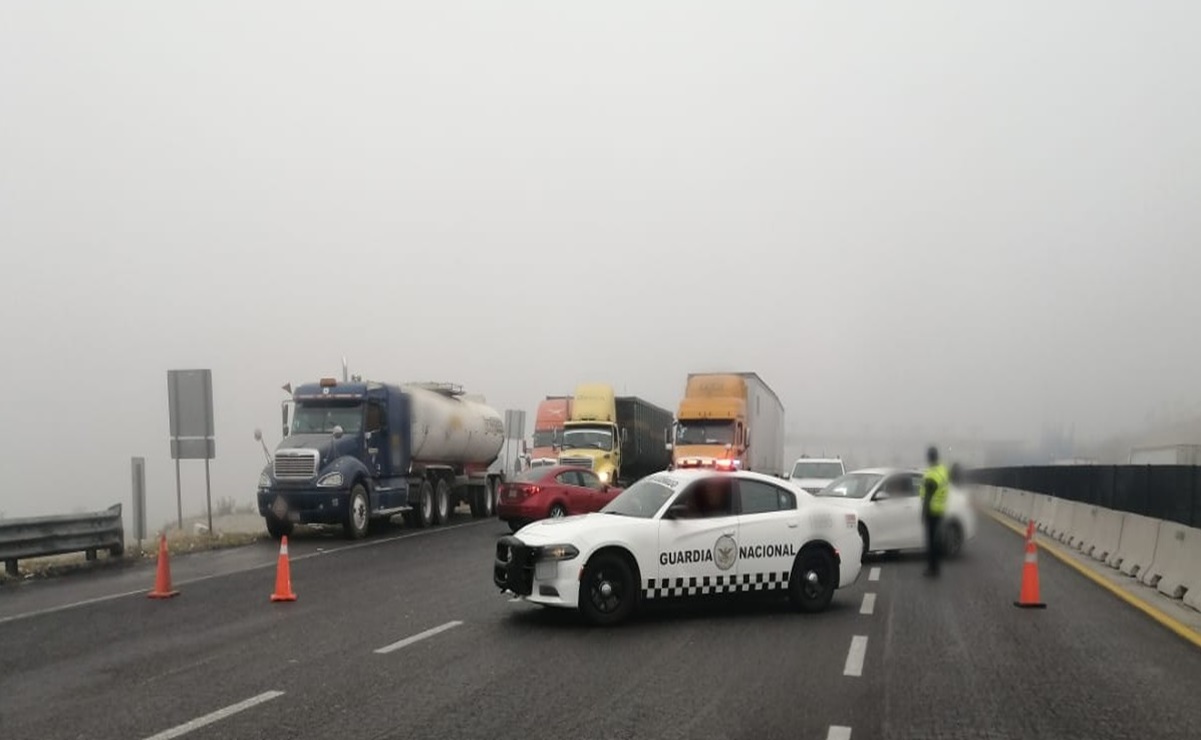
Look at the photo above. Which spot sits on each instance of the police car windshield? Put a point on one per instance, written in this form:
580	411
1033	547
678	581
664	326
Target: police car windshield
641	500
851	485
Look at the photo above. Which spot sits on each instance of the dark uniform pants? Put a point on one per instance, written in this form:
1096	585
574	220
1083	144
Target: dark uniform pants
933	543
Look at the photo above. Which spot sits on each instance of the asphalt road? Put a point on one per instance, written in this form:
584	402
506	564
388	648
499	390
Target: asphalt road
940	659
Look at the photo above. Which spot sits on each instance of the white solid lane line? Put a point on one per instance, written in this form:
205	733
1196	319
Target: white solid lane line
216	716
873	574
869	604
838	732
417	637
858	652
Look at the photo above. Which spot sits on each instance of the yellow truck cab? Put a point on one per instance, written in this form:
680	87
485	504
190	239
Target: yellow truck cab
591	437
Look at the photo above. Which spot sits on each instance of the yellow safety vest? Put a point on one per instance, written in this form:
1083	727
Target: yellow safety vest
942	481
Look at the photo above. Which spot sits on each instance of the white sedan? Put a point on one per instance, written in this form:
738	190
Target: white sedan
889	506
686	533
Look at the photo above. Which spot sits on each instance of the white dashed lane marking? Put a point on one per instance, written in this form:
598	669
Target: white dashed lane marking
216	716
855	656
417	637
869	604
838	732
873	574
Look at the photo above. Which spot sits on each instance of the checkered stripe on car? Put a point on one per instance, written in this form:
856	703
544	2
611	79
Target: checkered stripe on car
665	588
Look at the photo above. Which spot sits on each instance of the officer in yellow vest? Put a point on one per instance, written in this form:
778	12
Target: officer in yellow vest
936	486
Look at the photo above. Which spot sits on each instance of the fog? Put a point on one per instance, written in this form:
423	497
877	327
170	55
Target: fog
929	216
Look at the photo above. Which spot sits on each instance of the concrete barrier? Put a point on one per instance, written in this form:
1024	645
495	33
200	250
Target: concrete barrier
1084	524
1136	548
1177	564
1107	536
1043	512
1062	519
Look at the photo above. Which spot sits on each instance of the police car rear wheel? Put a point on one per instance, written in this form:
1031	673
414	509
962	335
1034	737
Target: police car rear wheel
814	577
607	590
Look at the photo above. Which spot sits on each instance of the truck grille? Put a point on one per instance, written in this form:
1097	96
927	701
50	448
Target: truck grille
295	464
580	462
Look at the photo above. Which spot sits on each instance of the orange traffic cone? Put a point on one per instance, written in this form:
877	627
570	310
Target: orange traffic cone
1028	598
162	581
283	575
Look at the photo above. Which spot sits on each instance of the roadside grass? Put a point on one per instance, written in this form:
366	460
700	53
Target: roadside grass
178	543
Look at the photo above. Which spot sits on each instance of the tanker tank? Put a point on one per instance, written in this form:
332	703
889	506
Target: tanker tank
453	428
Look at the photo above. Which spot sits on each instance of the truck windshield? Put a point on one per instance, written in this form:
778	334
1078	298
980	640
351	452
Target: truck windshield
817	470
321	418
705	433
587	439
547	437
640	500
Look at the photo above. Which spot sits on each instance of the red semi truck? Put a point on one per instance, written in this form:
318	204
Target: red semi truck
553	413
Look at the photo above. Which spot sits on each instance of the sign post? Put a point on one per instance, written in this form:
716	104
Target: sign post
190	397
514	429
138	467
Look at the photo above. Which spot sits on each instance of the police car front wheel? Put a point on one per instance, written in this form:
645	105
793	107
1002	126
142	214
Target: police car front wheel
814	578
607	590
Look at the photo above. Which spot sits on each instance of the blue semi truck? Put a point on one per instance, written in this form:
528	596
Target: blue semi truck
358	452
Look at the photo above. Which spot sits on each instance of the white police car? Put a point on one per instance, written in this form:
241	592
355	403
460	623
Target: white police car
682	534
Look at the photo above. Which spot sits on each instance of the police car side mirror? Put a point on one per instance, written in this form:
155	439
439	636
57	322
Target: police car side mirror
881	496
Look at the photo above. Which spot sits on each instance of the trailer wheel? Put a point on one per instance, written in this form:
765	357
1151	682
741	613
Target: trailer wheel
358	514
475	499
425	504
490	494
442	501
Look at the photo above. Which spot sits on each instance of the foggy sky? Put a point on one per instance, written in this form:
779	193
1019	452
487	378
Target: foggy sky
941	214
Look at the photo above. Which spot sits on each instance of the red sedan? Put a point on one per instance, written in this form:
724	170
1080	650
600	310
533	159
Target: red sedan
551	491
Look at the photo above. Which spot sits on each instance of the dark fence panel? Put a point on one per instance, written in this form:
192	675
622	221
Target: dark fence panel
1170	492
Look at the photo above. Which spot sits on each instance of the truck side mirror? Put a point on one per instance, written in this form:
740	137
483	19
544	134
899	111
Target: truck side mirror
338	432
258	435
669	446
625	434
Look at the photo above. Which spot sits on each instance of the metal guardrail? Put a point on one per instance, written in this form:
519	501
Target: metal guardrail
35	537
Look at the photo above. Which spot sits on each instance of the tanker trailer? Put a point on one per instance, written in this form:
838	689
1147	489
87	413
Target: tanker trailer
361	452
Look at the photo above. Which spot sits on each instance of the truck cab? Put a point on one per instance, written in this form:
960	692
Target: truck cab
711	429
549	420
591	437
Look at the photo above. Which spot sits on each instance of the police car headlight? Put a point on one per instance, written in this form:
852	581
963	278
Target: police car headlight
330	480
557	552
264	480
